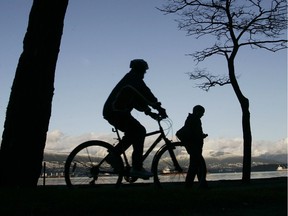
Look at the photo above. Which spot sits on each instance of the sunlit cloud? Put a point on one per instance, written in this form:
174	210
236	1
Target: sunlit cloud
234	147
223	147
58	142
268	147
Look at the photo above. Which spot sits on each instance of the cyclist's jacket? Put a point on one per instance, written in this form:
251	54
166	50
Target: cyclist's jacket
131	92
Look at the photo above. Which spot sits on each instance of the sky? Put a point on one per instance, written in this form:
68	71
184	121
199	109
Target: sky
99	40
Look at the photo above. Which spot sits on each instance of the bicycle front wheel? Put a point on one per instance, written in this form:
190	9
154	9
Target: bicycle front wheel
93	163
170	164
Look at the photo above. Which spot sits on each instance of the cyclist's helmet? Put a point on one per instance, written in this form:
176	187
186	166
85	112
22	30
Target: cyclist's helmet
139	64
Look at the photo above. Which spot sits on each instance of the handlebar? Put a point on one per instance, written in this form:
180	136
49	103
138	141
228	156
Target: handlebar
157	116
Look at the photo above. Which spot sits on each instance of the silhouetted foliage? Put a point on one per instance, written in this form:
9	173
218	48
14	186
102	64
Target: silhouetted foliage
234	24
29	108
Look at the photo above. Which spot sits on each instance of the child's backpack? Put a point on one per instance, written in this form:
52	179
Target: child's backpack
181	133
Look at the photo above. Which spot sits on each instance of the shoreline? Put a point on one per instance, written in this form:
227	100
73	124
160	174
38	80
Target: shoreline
210	177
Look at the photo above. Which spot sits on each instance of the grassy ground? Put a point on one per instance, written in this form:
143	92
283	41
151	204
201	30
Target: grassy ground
261	197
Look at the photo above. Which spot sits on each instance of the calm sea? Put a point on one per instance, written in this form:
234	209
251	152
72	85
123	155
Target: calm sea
210	177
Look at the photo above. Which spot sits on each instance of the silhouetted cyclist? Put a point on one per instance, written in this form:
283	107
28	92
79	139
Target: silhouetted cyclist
132	92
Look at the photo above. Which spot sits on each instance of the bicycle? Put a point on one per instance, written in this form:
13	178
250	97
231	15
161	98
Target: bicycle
95	162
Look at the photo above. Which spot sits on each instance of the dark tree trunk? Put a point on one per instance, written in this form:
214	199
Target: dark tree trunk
29	108
247	135
247	138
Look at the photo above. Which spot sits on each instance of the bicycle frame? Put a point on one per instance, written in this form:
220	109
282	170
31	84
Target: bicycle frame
158	139
161	136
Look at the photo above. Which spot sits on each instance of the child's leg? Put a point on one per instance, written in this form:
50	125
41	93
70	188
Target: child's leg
202	172
192	170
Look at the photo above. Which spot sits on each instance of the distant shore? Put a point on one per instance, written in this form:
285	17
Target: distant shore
59	180
261	197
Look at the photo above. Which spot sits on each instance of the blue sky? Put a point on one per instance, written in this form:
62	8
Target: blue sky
101	37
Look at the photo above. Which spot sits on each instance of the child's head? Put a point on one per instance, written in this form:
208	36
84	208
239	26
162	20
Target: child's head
198	110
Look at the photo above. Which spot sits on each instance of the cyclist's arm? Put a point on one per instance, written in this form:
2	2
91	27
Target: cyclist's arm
147	96
150	98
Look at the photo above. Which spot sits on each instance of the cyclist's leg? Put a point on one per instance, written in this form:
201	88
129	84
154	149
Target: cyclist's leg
134	133
123	145
118	120
137	134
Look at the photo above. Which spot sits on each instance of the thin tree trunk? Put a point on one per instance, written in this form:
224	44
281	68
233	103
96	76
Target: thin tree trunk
29	108
247	135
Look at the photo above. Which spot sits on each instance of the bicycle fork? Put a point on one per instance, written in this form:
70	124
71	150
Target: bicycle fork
173	158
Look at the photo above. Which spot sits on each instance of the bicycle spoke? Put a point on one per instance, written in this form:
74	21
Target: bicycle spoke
165	169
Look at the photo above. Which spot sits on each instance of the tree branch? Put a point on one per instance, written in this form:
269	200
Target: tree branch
232	23
209	80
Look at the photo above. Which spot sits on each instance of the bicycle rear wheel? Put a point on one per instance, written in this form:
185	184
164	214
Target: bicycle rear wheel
89	165
165	169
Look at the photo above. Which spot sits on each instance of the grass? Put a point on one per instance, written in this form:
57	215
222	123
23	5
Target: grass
260	197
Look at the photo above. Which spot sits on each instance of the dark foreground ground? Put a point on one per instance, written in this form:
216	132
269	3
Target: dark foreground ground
260	197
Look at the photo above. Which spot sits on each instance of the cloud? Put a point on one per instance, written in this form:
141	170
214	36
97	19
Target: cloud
269	147
58	142
223	146
234	147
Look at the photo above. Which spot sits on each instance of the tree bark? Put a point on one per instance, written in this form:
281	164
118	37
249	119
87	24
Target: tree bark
29	107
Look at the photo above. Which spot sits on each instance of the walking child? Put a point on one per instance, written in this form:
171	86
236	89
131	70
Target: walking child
192	136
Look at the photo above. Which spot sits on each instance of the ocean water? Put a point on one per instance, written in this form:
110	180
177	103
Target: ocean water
210	177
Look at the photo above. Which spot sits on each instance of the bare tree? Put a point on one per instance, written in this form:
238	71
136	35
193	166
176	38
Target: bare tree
29	108
234	24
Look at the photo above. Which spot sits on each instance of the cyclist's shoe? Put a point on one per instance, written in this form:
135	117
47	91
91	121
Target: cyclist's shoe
142	173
